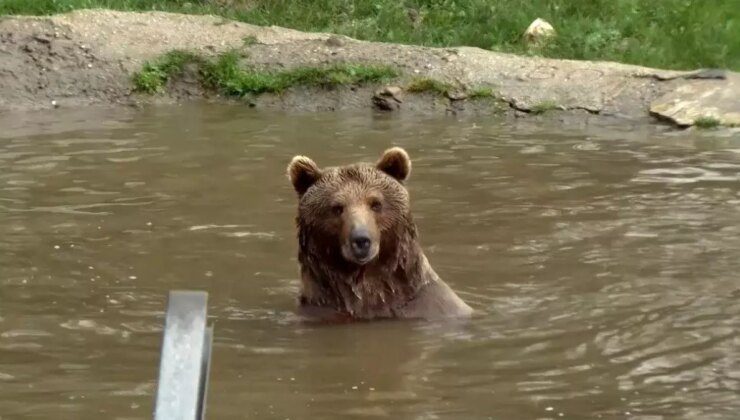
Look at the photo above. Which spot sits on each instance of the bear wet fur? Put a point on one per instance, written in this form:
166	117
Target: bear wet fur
359	252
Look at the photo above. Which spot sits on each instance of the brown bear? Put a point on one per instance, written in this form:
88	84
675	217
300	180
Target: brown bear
359	252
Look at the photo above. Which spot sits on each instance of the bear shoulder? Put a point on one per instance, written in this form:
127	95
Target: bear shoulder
436	300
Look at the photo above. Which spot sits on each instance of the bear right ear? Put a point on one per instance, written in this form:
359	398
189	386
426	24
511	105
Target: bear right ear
303	172
396	163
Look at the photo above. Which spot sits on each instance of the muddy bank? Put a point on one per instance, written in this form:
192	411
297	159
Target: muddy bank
89	57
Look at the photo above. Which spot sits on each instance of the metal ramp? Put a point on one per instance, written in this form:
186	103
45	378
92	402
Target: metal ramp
185	359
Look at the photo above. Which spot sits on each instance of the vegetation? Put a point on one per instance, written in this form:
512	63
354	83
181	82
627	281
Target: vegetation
225	74
706	122
481	92
682	34
154	75
543	107
425	84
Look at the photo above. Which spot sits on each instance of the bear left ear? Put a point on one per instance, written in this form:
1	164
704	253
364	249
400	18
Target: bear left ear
303	172
396	163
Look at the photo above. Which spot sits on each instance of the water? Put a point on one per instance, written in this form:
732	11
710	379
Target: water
603	261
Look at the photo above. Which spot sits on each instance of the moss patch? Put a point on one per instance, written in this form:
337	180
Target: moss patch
225	74
481	93
249	40
706	122
426	84
543	107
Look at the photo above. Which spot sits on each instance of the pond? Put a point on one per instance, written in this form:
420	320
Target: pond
602	259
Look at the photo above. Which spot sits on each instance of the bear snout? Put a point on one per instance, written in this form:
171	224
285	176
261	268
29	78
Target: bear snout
360	242
360	246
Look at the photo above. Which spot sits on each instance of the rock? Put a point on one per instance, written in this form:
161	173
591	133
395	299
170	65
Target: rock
708	74
701	98
394	92
335	41
384	104
388	98
538	31
42	38
456	95
414	17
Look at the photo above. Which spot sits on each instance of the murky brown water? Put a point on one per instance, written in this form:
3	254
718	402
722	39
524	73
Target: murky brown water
606	261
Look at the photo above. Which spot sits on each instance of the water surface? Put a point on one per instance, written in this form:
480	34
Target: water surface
603	261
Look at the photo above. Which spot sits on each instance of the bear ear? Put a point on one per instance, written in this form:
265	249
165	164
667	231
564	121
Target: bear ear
396	163
303	172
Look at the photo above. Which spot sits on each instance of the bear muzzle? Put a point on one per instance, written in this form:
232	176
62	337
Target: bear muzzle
361	248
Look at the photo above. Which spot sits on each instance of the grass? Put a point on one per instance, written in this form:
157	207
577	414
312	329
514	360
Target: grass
543	107
225	74
481	93
425	84
154	75
249	40
676	34
706	122
429	85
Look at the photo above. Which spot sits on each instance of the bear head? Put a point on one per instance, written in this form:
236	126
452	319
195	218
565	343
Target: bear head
352	214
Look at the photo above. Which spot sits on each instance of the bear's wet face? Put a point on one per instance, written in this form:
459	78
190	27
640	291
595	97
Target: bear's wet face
350	211
357	211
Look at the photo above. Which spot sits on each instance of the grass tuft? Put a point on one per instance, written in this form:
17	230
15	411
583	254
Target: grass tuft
481	92
249	40
154	74
426	84
706	122
543	107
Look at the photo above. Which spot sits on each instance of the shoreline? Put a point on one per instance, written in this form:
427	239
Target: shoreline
89	57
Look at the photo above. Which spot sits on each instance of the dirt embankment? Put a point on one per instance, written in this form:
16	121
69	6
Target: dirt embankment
88	57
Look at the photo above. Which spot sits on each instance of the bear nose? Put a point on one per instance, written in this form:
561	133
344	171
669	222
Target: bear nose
360	240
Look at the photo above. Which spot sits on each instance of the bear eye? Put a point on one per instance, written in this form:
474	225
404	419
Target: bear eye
337	209
376	206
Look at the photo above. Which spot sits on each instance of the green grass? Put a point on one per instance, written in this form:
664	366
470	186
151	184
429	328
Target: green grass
481	92
225	74
429	85
678	34
543	107
706	122
425	84
249	40
154	75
